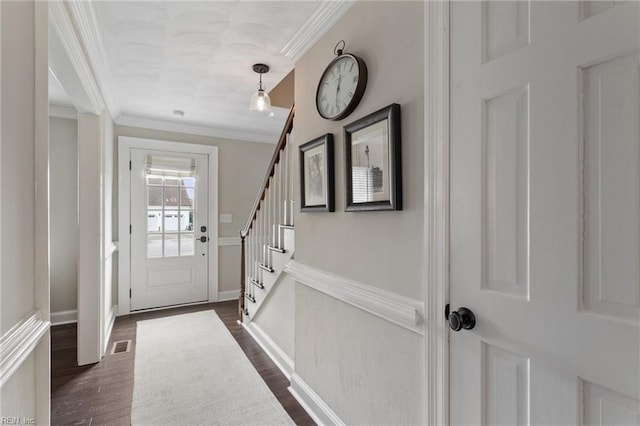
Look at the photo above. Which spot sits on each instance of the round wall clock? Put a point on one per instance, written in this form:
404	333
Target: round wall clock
341	86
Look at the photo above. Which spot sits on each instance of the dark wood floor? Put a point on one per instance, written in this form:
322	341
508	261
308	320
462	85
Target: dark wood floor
101	393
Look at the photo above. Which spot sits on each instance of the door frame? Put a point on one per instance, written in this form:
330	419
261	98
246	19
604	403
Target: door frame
125	145
436	212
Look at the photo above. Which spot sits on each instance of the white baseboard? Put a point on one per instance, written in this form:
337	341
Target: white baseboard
319	411
64	317
277	355
223	296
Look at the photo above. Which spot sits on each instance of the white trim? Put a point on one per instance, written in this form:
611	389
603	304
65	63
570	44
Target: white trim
41	338
193	129
58	111
110	249
19	342
125	144
319	411
436	213
228	241
65	29
111	319
311	30
87	26
225	296
271	348
400	310
64	317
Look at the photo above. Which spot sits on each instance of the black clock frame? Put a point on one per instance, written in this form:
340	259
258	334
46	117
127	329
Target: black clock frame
360	87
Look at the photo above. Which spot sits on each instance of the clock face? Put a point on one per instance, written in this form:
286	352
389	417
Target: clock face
341	87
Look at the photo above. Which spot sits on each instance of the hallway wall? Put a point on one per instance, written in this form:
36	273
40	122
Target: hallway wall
367	369
241	166
63	139
24	212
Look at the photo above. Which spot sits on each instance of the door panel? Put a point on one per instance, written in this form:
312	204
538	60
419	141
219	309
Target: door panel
169	218
545	212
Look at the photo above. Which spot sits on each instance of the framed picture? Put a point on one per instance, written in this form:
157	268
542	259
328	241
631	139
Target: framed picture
373	163
317	175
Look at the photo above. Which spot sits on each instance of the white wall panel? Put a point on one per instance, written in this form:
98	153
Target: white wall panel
611	116
506	193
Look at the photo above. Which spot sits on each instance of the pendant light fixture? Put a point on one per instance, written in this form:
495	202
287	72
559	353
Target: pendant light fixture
260	100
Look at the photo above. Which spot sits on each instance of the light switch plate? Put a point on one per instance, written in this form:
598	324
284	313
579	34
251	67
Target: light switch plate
226	218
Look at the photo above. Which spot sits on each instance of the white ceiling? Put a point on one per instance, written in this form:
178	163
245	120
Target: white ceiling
145	59
197	57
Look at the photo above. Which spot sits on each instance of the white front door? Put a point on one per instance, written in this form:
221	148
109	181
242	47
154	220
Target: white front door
169	229
545	212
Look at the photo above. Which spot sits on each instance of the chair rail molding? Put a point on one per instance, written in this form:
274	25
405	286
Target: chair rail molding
400	310
19	342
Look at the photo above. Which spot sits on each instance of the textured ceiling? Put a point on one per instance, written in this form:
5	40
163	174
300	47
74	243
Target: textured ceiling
197	57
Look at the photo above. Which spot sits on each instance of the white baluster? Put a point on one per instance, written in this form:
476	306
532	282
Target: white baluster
289	183
273	191
278	202
287	177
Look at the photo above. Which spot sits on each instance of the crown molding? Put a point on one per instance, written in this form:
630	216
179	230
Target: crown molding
59	111
320	21
64	27
193	129
87	25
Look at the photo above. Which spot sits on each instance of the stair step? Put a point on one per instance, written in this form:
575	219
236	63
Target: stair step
250	298
258	284
277	249
265	267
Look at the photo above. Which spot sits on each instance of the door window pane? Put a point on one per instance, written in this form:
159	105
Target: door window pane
171	185
186	220
154	196
171	219
186	198
171	245
154	221
170	197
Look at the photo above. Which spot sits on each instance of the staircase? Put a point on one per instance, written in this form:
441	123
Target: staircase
268	238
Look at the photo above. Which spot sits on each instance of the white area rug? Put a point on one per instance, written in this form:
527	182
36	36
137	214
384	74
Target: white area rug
189	370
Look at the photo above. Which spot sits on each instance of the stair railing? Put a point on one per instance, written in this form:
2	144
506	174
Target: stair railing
273	208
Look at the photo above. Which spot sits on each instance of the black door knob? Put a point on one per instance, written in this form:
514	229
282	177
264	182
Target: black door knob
462	318
203	239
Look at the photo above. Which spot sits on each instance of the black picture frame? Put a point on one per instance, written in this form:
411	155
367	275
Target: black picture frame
373	161
317	173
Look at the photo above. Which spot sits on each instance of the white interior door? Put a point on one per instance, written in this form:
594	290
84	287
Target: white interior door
545	212
169	229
